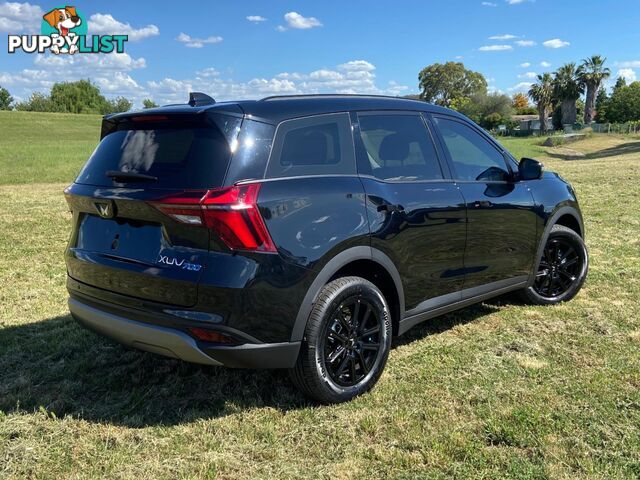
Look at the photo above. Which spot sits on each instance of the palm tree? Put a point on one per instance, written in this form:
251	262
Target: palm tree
541	92
592	72
567	88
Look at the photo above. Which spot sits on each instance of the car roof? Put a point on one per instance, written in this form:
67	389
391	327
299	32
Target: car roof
279	108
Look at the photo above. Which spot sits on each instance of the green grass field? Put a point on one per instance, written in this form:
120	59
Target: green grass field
497	390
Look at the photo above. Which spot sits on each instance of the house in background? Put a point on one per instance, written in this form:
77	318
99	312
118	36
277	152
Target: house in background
531	123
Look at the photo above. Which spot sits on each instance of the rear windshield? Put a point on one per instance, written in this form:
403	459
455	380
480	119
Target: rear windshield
180	153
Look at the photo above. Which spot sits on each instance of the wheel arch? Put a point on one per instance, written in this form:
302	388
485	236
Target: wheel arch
566	216
362	261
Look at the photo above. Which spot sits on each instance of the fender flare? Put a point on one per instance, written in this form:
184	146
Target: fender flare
551	221
329	270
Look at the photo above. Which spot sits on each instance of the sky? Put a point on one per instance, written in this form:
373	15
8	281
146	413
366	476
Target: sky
255	48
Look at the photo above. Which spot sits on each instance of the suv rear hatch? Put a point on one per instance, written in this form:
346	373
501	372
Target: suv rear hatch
124	239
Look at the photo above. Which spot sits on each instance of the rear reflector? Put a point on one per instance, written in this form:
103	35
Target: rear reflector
231	212
205	335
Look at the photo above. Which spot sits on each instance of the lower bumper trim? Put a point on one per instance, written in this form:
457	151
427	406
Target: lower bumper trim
176	344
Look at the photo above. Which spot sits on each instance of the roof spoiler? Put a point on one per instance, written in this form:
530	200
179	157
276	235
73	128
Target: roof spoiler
198	99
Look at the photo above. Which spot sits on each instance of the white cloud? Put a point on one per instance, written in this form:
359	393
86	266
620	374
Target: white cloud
526	43
91	64
525	65
356	76
489	4
516	2
506	36
520	87
545	64
357	65
191	42
208	72
628	74
105	24
495	48
394	88
116	74
528	75
256	18
628	64
297	21
555	43
119	83
18	17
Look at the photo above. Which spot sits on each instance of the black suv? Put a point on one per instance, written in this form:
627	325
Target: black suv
304	232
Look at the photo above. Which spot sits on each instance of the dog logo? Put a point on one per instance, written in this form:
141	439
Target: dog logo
64	30
63	20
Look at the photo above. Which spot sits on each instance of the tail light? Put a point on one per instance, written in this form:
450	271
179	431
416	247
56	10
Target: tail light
232	212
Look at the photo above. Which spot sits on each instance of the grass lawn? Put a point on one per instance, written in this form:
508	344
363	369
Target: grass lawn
495	390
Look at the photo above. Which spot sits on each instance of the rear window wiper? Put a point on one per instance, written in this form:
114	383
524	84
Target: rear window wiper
124	177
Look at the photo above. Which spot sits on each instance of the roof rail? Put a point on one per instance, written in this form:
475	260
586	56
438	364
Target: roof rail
198	99
330	95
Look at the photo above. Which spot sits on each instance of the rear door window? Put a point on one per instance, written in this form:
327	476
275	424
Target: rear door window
318	145
180	152
398	148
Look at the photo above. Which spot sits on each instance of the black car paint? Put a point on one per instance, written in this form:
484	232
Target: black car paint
448	237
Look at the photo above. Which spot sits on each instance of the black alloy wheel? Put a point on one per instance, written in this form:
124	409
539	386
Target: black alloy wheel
352	341
559	268
346	341
562	270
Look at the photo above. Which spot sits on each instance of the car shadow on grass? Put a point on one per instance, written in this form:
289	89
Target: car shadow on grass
60	367
622	149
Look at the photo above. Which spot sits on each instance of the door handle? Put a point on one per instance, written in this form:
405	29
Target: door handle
482	204
387	207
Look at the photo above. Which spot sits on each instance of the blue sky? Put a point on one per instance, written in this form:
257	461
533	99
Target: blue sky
250	49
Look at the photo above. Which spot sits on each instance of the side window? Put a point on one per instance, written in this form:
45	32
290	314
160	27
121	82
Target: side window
398	147
318	145
473	157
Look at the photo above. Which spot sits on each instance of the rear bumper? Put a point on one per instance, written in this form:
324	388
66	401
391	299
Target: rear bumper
177	344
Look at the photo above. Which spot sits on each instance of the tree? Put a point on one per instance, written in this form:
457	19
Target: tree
621	82
592	73
602	101
148	103
37	102
488	110
519	101
624	104
5	99
77	97
567	88
541	93
450	82
119	104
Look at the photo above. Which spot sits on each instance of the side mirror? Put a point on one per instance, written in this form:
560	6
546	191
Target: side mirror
530	169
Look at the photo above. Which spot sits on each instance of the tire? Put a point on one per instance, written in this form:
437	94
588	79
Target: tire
557	281
338	358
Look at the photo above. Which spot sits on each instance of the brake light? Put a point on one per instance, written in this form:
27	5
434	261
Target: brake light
150	118
232	212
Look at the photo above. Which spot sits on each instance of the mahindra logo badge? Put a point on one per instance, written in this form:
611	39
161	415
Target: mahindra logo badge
105	209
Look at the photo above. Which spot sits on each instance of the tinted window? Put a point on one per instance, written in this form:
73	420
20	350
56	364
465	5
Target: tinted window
313	145
252	152
398	147
181	154
473	157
